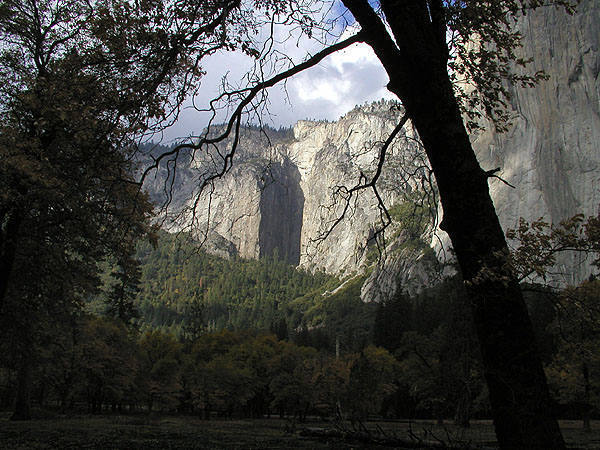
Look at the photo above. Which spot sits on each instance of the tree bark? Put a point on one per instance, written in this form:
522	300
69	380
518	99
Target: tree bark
22	404
417	67
587	406
10	221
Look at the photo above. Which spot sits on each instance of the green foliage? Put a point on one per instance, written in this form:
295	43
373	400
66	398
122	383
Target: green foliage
392	319
536	244
160	362
574	372
340	316
80	83
431	367
186	291
106	363
291	384
376	368
484	44
567	323
123	289
433	338
413	218
101	363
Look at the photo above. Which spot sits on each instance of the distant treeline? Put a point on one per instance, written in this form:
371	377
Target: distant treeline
183	288
103	366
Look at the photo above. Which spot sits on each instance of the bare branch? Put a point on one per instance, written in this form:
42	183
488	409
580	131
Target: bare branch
235	119
492	174
365	183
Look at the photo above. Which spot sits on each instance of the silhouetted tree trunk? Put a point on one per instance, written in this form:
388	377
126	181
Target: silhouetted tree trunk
22	404
417	68
10	220
462	416
587	406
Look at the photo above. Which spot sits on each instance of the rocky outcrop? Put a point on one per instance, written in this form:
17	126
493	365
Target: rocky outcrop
287	189
330	158
256	199
402	267
551	153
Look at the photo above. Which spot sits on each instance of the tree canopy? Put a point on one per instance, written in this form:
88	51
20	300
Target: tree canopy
80	84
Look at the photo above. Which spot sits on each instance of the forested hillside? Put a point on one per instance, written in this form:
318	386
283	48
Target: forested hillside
235	293
183	290
251	338
236	337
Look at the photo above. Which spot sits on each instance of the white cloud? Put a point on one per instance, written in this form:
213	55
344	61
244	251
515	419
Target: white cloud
322	88
337	84
357	54
327	91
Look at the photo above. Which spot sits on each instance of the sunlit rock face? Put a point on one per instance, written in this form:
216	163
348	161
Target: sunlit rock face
255	207
284	192
551	153
330	158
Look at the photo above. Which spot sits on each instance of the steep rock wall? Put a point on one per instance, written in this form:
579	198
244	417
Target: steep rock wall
279	194
284	193
551	153
281	208
332	155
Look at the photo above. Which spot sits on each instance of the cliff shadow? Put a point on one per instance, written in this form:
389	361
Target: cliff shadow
281	211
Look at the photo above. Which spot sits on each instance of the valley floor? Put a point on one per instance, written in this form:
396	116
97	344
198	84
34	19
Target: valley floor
181	432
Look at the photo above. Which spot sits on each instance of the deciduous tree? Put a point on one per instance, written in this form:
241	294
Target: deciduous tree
574	371
80	82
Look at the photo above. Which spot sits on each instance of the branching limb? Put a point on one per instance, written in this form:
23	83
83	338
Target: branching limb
366	183
492	174
537	244
235	120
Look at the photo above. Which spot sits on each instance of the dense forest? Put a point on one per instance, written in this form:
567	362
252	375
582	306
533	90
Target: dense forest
185	291
247	338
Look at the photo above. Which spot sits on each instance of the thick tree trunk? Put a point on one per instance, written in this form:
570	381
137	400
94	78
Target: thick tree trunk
22	404
518	391
519	395
517	384
10	221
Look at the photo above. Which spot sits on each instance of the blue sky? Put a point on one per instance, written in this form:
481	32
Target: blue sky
326	91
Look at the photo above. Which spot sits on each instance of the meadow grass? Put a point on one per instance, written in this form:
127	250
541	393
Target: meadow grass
185	432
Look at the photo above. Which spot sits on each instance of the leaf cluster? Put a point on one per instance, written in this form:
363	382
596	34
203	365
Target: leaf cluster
483	54
537	244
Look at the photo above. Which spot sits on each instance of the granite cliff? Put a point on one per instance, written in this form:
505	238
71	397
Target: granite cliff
551	153
285	190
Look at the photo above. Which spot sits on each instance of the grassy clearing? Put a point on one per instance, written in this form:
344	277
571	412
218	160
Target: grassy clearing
180	432
143	432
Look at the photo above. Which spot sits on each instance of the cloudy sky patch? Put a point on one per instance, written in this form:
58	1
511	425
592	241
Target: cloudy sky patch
340	82
327	91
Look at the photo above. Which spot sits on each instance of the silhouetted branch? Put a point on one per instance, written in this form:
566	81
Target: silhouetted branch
234	122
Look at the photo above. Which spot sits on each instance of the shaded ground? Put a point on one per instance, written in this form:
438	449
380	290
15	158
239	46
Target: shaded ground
178	432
